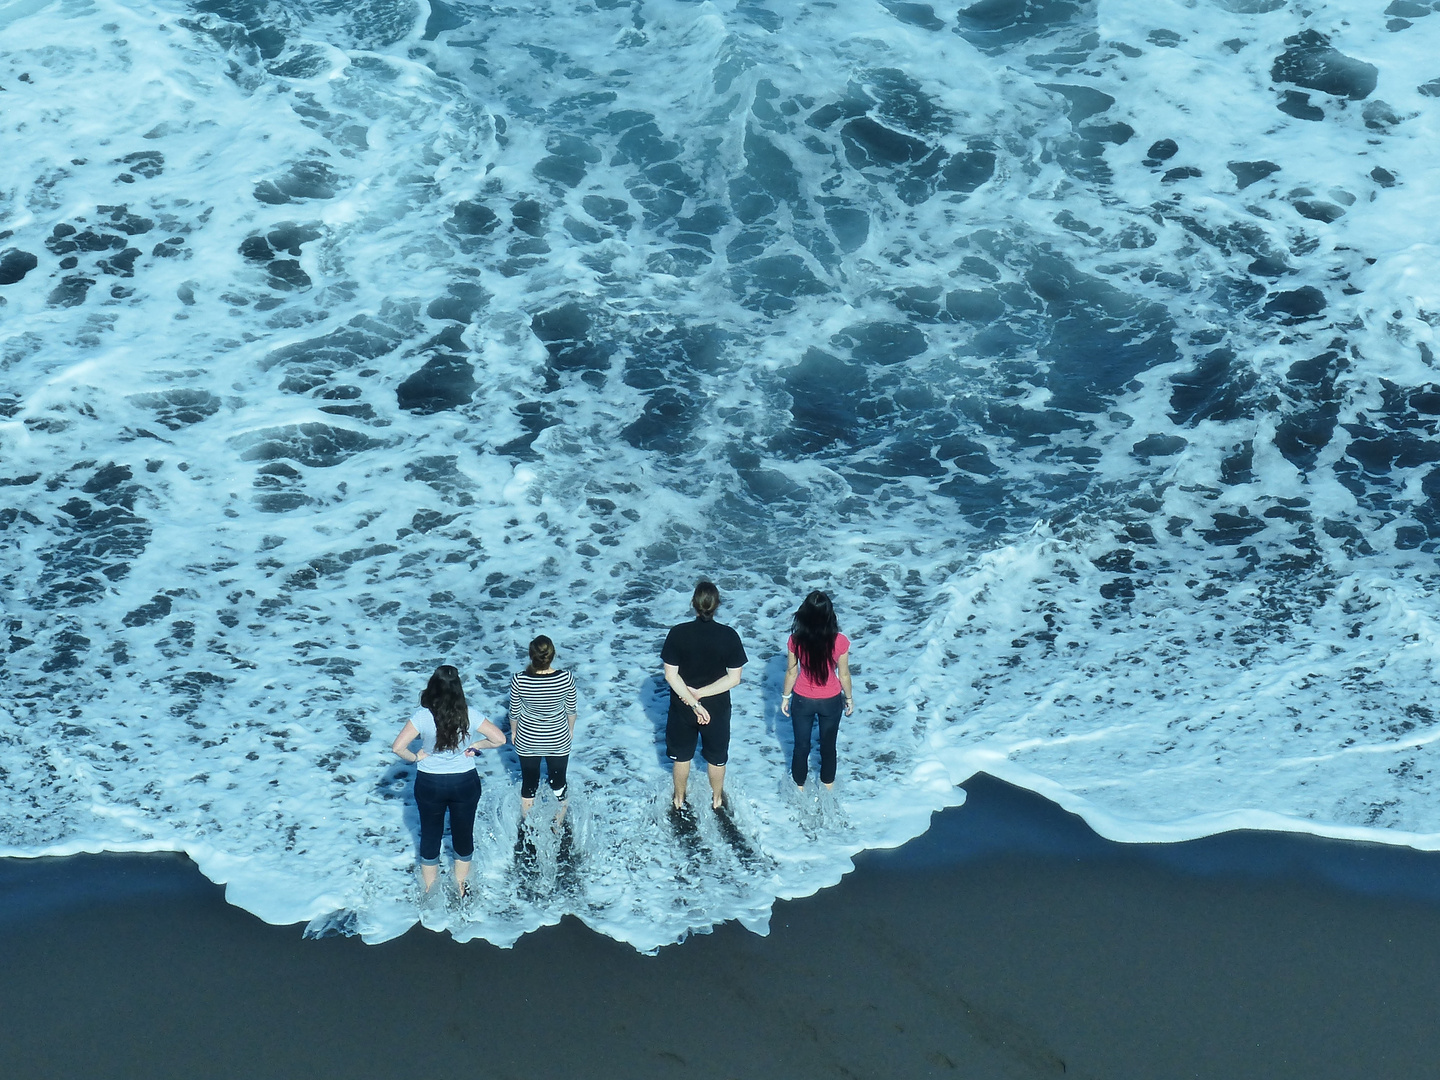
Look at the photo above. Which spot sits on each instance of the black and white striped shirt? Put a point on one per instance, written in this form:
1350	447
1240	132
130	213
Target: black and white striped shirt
540	711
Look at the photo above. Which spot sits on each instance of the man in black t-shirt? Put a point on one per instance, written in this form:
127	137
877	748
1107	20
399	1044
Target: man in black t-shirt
703	661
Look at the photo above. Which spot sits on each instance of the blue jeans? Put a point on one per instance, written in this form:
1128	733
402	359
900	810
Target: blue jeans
435	793
804	713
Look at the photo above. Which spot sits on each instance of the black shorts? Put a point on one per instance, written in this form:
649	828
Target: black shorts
682	731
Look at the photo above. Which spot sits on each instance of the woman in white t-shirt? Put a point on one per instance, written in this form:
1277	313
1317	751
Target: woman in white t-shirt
817	685
445	777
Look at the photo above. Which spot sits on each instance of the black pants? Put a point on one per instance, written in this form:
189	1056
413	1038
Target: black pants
555	765
804	712
435	793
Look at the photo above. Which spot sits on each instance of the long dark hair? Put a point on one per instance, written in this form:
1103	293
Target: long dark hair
445	698
542	651
814	630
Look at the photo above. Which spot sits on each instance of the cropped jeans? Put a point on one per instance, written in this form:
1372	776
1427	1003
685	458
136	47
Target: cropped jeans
435	793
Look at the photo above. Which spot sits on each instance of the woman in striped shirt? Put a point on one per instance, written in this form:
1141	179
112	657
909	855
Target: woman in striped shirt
542	720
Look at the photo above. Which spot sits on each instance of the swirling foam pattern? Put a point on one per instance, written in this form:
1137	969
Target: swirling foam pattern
1083	350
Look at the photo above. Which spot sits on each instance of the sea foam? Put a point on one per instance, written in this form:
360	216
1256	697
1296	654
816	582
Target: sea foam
1083	351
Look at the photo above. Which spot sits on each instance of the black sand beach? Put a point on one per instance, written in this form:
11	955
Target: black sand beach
1007	942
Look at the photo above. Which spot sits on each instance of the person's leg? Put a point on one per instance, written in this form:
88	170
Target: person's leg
529	782
681	734
431	806
463	803
679	776
716	773
828	712
555	768
802	719
715	743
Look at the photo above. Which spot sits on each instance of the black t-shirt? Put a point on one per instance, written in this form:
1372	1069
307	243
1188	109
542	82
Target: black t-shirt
703	650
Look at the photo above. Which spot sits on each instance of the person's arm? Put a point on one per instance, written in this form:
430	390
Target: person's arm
493	736
842	672
685	694
728	681
570	710
792	673
408	734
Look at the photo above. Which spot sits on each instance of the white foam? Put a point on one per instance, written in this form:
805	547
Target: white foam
1227	691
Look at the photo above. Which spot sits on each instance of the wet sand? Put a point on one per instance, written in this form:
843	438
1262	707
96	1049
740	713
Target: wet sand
1008	942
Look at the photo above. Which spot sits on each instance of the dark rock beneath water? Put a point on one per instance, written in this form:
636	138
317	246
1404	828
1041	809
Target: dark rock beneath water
1302	303
966	172
667	423
1293	103
157	608
1159	446
460	302
993	24
146	163
71	291
921	15
313	444
289	236
1082	102
180	407
1183	172
1212	390
1311	62
870	144
1319	210
1250	172
566	334
445	382
15	264
1380	115
303	180
286	274
1161	150
773	284
442	17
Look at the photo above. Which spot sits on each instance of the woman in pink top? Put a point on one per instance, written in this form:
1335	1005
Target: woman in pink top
817	685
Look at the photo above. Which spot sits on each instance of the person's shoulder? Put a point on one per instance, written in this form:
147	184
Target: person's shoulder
842	644
419	715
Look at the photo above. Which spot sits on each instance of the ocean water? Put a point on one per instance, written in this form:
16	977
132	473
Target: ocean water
1083	350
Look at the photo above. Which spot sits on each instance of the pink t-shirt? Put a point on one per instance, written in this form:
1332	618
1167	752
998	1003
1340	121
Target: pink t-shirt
806	686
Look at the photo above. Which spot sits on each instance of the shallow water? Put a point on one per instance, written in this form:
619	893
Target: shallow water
1082	351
